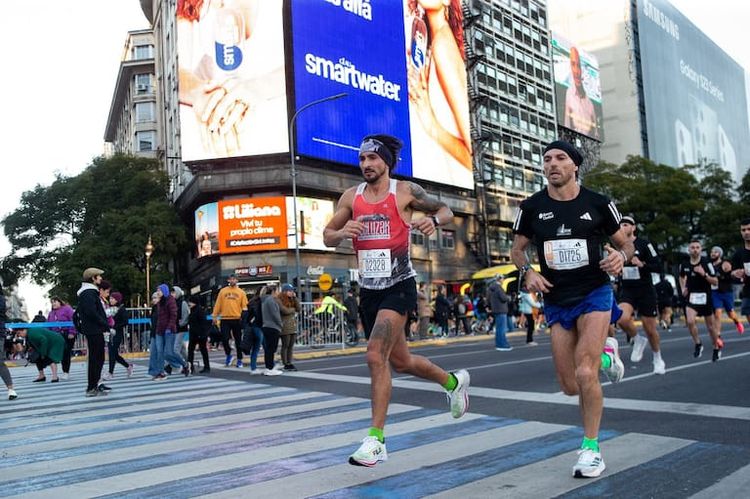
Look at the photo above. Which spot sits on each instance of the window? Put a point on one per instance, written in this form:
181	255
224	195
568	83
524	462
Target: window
417	238
448	239
143	52
145	141
143	84
144	112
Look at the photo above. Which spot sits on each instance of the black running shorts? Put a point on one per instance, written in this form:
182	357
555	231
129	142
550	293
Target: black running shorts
641	299
401	298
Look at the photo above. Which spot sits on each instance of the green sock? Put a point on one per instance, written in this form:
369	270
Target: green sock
606	361
377	433
591	444
452	382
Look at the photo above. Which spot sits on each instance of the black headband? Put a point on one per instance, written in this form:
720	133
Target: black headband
569	149
374	145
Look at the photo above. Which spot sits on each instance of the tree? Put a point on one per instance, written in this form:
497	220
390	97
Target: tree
99	218
665	201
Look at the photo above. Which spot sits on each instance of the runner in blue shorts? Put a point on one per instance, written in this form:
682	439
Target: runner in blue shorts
569	225
722	294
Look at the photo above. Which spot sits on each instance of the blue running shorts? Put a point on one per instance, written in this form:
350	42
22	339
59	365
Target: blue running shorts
599	300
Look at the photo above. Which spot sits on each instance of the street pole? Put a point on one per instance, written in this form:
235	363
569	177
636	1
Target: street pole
294	178
148	251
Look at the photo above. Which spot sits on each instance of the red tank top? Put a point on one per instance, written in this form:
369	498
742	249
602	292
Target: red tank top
383	248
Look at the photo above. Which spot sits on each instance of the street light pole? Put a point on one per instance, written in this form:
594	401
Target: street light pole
294	176
148	251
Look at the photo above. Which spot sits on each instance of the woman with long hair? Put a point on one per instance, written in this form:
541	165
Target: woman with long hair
62	312
289	306
120	318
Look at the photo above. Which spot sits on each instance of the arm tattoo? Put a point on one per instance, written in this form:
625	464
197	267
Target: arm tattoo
423	202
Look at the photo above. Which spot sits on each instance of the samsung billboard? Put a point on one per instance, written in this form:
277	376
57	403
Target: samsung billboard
695	99
578	88
402	64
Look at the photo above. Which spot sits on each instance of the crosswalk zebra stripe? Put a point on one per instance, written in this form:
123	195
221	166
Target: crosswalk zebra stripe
538	479
289	442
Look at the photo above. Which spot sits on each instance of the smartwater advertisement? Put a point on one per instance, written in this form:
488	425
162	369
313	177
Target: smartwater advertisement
402	66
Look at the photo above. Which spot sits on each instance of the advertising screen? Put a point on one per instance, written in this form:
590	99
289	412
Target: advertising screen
695	100
260	224
402	65
578	89
232	86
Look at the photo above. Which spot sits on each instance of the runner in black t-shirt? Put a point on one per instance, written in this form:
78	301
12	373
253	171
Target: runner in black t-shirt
722	294
568	224
741	267
638	293
696	278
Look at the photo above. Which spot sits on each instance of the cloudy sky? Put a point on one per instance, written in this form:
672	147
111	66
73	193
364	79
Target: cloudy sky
61	60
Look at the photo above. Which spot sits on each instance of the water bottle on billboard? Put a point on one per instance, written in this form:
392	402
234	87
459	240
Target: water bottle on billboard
418	42
230	32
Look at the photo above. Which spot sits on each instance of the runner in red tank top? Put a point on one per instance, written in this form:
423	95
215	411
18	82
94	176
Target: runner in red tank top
377	216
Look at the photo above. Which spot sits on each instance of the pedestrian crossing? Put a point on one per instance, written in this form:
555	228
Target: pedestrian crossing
212	437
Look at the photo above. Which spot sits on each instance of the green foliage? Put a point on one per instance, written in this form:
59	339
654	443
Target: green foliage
99	218
672	205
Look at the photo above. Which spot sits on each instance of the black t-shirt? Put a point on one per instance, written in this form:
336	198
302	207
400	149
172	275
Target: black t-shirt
568	236
725	278
634	277
741	260
696	283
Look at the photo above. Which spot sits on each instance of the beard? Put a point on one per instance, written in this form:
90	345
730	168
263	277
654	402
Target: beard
373	177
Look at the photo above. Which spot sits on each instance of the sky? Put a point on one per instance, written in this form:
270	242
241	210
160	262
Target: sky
64	57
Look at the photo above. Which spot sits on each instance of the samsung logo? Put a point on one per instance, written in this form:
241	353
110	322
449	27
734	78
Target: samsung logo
661	19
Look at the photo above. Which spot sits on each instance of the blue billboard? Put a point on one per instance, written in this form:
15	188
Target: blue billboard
403	77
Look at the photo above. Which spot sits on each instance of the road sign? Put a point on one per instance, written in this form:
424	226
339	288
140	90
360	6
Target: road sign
325	281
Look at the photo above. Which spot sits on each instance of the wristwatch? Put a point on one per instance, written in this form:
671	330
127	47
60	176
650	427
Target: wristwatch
525	268
434	220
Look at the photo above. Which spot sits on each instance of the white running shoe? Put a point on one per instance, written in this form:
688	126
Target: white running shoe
659	366
65	376
255	372
616	368
108	376
590	464
370	453
459	397
273	372
12	395
639	345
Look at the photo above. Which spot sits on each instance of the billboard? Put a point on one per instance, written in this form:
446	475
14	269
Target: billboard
695	99
232	85
402	65
578	89
260	224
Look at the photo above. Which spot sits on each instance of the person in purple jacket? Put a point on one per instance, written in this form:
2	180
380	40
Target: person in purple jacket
63	312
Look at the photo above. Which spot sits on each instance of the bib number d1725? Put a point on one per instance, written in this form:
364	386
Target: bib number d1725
566	254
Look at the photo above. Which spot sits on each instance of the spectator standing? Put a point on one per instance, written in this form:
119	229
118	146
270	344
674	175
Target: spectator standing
230	304
62	312
167	321
289	307
4	371
255	324
183	313
271	328
423	312
460	312
198	333
94	324
442	311
352	309
527	304
499	307
120	319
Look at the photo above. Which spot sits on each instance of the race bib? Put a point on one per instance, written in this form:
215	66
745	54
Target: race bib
747	268
698	298
374	263
566	254
631	273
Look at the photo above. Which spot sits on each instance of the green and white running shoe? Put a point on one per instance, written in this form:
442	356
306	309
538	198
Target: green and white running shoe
371	452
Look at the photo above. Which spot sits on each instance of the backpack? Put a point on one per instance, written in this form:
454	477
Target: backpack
77	323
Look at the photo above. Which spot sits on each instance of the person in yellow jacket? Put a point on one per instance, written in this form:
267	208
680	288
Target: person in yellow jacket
327	308
230	304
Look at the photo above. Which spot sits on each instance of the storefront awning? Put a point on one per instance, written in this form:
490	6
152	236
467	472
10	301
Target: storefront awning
505	270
